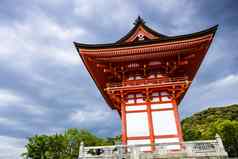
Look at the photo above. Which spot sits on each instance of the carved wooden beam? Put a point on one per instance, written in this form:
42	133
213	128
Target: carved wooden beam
112	71
174	67
181	63
189	56
101	66
177	64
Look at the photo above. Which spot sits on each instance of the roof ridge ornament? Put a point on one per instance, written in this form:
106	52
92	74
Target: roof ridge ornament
139	20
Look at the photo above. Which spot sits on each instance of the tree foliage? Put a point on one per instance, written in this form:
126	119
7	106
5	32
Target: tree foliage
222	120
63	146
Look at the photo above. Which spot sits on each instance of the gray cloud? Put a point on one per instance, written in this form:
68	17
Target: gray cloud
44	87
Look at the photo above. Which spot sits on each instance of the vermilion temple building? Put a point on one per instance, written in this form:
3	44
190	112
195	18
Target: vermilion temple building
144	76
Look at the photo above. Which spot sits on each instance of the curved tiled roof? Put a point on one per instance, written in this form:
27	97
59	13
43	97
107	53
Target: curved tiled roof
161	38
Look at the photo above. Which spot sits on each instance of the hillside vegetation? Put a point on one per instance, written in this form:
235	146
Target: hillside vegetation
200	126
205	124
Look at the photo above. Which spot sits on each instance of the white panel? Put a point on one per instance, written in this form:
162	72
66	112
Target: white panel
151	76
164	93
155	94
137	124
139	95
169	140
140	100
164	122
165	98
140	142
154	63
131	78
155	99
161	106
138	77
130	95
131	101
159	75
137	107
166	140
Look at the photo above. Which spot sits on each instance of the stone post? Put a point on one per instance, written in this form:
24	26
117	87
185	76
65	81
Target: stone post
81	150
222	150
135	154
219	141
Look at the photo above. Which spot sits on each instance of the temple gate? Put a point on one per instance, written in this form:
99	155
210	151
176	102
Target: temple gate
144	76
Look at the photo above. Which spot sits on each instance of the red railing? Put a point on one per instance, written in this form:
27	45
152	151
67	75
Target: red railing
143	82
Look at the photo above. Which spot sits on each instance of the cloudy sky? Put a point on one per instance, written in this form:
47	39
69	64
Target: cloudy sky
44	87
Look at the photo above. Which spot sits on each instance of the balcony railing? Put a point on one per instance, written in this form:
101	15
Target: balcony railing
148	82
191	149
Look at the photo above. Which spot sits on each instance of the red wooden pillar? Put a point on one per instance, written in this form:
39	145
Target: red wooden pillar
177	120
123	118
150	121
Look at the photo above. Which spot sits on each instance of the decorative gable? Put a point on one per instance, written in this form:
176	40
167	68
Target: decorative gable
140	32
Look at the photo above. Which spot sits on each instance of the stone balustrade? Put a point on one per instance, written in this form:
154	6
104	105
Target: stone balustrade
190	149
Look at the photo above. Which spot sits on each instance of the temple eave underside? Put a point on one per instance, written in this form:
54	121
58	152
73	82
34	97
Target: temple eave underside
177	62
173	61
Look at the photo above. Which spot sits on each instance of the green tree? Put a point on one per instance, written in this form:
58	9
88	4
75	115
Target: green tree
222	120
37	147
62	146
228	130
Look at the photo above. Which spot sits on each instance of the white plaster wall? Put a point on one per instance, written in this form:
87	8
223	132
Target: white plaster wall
136	107
164	122
155	99
161	106
138	95
130	95
164	93
138	77
130	101
140	100
131	78
155	94
140	142
169	140
137	124
151	76
165	98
